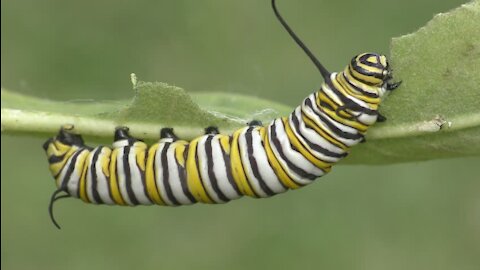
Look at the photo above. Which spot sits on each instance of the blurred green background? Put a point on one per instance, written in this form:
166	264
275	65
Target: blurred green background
423	215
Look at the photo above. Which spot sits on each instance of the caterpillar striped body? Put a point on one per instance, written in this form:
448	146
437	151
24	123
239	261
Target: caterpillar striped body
257	161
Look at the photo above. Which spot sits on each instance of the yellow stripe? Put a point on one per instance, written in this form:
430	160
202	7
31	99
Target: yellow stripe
325	98
322	132
105	161
225	142
277	167
373	101
369	68
372	59
140	148
345	90
56	168
150	180
237	167
83	178
369	79
193	176
180	147
342	83
56	148
117	197
339	87
354	124
348	75
61	146
325	166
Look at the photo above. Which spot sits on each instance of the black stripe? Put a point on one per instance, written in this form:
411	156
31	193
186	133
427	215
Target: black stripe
243	167
142	174
324	105
363	71
154	169
315	147
199	174
363	60
128	175
228	167
328	106
336	142
69	172
351	69
211	173
270	164
56	159
293	167
358	89
331	126
351	105
110	175
93	175
182	173
79	180
166	173
253	163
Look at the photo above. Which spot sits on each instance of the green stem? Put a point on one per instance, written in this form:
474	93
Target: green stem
19	121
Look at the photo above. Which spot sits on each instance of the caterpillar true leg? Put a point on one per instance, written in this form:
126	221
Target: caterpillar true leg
381	118
393	86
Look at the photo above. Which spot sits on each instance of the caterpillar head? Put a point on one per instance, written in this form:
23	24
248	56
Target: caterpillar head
370	68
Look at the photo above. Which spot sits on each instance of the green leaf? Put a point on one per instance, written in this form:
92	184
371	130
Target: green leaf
155	105
436	111
434	114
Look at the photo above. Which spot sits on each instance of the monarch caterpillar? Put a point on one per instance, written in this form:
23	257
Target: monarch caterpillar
257	161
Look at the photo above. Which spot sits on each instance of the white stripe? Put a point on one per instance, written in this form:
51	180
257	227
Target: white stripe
323	126
339	125
136	173
159	173
367	119
60	179
220	171
121	177
314	137
72	184
102	180
363	86
352	98
120	143
297	133
326	89
293	156
247	166
289	172
203	169
174	177
88	177
266	171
